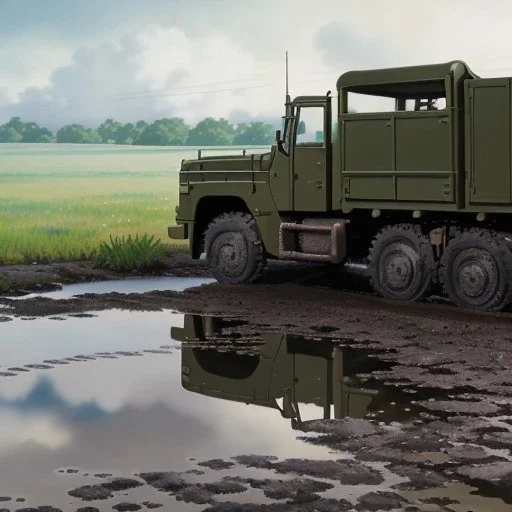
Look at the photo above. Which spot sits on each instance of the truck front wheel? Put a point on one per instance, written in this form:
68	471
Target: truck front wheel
476	269
401	263
234	250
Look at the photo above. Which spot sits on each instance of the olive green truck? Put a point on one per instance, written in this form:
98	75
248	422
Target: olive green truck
420	185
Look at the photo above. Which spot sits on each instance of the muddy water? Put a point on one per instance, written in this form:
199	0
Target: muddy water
129	413
132	285
164	392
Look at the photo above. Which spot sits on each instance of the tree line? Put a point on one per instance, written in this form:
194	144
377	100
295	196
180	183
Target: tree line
163	132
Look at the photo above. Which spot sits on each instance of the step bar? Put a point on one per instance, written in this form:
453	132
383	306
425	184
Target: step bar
289	231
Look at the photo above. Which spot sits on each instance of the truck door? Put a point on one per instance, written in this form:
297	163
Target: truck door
489	138
311	157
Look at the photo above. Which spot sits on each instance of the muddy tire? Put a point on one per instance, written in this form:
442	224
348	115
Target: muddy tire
234	250
401	263
476	270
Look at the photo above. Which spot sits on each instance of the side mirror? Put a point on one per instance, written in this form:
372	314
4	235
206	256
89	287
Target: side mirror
301	129
278	135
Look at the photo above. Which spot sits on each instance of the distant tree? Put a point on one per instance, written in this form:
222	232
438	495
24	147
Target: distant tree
16	123
77	134
9	135
32	132
254	133
164	132
16	130
211	132
128	134
110	132
141	126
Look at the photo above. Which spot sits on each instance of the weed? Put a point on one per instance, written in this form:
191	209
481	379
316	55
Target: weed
130	253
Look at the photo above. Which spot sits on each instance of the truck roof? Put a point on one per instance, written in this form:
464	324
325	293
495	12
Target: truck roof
398	81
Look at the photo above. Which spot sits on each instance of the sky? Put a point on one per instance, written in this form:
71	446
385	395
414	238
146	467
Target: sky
67	62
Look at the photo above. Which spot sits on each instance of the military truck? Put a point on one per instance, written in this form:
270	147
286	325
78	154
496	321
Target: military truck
288	373
422	188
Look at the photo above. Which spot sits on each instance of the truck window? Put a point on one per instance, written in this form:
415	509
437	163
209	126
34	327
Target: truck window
310	126
227	364
401	97
367	103
420	104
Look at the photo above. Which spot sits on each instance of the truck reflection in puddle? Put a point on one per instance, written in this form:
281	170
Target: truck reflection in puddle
286	372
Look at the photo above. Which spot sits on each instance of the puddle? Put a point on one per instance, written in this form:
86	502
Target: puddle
179	403
303	379
130	285
124	416
35	341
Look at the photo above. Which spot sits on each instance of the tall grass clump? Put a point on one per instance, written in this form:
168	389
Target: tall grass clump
130	253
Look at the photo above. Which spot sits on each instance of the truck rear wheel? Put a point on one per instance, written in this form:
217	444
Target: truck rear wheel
233	248
476	269
401	263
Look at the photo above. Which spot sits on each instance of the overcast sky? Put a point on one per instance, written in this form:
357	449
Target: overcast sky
65	61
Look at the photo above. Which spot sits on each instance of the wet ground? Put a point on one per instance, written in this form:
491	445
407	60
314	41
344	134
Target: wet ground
123	286
293	395
40	277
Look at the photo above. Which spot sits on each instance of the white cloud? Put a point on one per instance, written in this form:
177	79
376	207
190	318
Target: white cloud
155	73
29	62
162	70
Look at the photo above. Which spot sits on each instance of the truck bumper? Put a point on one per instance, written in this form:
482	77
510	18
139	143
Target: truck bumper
179	232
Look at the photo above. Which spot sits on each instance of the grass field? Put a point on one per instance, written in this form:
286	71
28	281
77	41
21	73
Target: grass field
58	202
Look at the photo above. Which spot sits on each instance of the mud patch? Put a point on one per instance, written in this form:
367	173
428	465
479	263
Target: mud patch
104	491
375	501
320	505
164	481
303	489
346	472
216	464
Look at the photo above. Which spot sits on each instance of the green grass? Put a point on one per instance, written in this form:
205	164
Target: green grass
64	215
64	229
59	202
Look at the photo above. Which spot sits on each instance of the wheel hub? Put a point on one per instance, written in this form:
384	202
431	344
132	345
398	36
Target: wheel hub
473	279
232	257
476	272
399	267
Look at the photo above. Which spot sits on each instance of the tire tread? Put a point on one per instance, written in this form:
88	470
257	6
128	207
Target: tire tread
246	220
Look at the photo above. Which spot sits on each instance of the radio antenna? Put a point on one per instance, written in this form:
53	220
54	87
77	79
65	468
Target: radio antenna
287	91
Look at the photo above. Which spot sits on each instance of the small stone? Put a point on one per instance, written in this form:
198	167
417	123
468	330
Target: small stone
376	501
126	507
194	494
90	493
164	481
217	464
